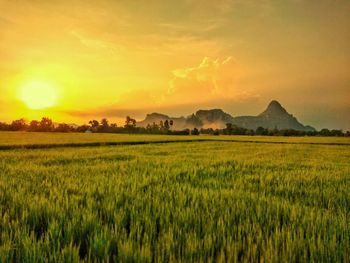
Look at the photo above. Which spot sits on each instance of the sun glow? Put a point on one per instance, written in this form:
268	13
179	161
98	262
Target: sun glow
38	94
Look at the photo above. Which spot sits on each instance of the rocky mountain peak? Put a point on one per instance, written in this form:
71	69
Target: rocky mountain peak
274	108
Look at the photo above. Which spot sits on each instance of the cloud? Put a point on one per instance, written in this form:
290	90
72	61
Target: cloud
94	43
211	79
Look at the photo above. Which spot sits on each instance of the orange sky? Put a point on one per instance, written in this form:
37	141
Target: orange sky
113	58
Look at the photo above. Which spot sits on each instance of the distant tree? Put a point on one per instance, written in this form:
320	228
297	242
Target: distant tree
94	125
289	132
82	128
325	132
195	131
155	129
234	130
207	131
104	125
249	132
338	133
185	132
63	127
113	127
161	125
229	128
130	122
18	125
34	125
4	126
166	125
46	125
273	132
311	133
104	122
261	131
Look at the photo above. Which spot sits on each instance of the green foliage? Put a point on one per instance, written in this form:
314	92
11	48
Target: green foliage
200	201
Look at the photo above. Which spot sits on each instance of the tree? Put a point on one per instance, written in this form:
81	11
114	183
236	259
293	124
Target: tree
104	122
229	128
46	125
63	127
94	125
195	131
113	127
325	132
34	125
18	125
261	131
338	133
104	127
82	128
130	122
166	125
4	126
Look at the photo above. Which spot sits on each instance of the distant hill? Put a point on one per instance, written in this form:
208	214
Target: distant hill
179	122
275	116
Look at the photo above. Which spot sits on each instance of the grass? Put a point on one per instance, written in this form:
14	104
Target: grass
202	201
16	139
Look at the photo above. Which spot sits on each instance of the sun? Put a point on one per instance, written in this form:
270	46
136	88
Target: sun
38	94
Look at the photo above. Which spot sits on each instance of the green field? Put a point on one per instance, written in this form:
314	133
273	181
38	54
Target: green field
8	139
217	199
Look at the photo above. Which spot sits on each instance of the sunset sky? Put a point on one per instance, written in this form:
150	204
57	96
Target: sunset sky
78	60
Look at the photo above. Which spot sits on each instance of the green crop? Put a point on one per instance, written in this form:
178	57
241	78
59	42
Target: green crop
205	201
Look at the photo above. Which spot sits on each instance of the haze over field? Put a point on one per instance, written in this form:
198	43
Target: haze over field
77	60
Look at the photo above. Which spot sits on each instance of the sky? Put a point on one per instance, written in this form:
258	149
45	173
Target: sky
78	60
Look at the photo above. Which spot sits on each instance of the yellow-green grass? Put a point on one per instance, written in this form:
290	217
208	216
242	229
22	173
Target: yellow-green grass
37	138
200	201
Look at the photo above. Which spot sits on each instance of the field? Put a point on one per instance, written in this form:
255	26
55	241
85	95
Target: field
207	199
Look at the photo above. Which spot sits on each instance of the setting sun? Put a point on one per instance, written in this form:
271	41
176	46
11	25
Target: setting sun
38	95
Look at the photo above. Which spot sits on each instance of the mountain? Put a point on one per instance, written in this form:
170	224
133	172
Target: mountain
275	116
215	118
179	122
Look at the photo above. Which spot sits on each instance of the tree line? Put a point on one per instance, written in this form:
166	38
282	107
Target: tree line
163	127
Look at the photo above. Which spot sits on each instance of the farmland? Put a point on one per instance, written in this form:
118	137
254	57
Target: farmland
202	199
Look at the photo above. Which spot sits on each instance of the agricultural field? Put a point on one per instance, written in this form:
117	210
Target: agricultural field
192	199
46	140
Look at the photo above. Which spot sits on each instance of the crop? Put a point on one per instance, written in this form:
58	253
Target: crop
199	201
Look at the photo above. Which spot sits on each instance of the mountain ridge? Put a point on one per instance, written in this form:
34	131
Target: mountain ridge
274	116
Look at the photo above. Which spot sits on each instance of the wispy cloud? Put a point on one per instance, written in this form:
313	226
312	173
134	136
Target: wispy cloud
95	43
212	78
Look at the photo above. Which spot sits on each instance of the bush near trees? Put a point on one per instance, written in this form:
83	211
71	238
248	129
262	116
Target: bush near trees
163	127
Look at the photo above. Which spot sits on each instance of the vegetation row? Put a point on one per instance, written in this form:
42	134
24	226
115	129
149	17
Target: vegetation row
163	127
